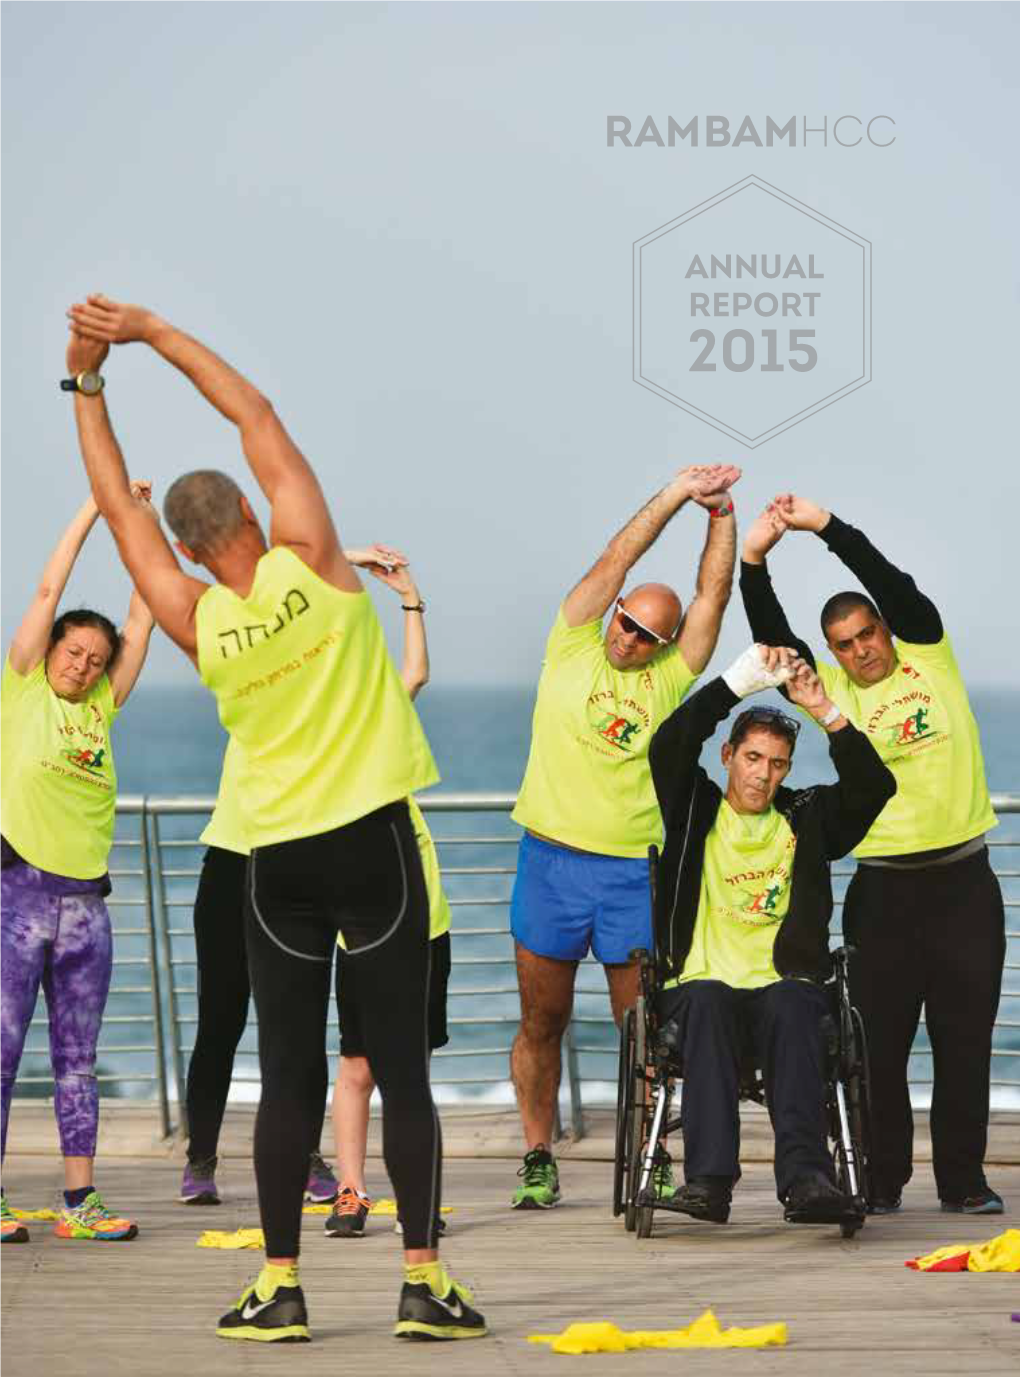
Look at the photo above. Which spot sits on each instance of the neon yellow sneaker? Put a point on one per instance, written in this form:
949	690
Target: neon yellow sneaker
92	1220
280	1318
422	1314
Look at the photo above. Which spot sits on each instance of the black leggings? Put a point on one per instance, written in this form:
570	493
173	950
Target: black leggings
366	879
223	990
933	937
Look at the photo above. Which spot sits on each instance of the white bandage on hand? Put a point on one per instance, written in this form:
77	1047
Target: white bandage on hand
747	674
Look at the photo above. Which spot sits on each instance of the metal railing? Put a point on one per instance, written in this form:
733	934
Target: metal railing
153	995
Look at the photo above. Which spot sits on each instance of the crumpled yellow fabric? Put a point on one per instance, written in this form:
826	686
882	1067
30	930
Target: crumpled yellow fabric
383	1206
34	1214
240	1238
704	1332
998	1254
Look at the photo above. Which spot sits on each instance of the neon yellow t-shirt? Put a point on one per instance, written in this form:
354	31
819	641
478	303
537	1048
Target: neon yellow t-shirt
225	828
920	723
305	684
439	907
59	781
745	895
588	783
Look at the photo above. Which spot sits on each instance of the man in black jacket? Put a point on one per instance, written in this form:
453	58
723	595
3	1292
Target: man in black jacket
742	923
924	909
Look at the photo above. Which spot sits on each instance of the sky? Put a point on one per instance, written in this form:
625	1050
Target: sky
404	224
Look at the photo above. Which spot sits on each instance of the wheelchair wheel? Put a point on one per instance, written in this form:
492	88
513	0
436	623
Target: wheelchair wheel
638	1103
644	1221
624	1093
860	1105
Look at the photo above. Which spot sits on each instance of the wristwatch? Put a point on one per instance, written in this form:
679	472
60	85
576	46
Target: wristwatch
418	607
89	383
830	716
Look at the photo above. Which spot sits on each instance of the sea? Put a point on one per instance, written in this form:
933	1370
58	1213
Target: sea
168	743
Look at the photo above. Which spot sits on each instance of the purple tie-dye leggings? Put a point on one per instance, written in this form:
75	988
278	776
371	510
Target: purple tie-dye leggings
63	940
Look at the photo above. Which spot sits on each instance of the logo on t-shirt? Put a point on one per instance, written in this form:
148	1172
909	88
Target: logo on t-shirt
912	728
87	759
618	724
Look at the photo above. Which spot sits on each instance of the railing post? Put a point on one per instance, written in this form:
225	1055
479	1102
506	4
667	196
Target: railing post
154	973
577	1129
167	949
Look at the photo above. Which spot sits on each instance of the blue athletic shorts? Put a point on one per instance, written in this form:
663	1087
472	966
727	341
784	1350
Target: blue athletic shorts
567	901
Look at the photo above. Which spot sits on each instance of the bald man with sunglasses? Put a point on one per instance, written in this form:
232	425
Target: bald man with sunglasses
587	802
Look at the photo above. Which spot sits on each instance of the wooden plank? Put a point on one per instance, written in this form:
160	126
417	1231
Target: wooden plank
148	1308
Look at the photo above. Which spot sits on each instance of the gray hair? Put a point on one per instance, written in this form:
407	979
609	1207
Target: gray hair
203	509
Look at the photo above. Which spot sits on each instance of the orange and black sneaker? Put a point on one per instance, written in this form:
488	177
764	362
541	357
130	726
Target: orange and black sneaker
92	1220
350	1210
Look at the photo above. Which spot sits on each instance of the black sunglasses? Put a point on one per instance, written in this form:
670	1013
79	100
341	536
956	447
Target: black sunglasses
772	717
631	627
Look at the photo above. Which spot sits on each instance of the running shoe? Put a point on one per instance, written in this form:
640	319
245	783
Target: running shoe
91	1219
540	1184
198	1185
424	1315
350	1210
885	1204
986	1201
663	1183
282	1319
322	1186
11	1229
398	1228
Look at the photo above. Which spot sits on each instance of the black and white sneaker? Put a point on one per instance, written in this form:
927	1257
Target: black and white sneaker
424	1315
280	1319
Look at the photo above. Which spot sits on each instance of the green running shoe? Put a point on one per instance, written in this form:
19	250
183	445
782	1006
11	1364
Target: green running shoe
663	1183
540	1185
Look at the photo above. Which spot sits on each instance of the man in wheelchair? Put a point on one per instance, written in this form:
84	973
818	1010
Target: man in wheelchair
743	903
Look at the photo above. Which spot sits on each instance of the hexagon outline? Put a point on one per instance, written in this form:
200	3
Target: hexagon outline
823	403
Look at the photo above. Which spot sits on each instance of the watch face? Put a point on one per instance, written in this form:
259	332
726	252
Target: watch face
90	384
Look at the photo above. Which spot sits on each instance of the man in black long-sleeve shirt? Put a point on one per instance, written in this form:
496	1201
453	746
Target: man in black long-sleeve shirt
924	908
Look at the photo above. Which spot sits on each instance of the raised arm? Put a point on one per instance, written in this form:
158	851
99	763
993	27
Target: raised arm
765	615
699	630
32	638
864	786
601	585
134	646
300	516
170	594
909	613
391	567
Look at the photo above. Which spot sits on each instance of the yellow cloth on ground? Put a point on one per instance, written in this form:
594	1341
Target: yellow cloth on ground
998	1254
705	1332
240	1238
34	1214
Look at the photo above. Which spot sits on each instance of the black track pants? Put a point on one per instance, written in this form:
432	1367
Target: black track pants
933	937
366	879
781	1025
223	992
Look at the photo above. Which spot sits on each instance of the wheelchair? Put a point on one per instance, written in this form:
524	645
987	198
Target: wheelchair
649	1089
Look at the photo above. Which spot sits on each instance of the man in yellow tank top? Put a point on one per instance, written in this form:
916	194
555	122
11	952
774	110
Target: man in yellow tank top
331	749
587	802
924	907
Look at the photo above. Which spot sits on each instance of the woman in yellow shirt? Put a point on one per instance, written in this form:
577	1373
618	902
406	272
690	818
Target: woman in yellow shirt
64	681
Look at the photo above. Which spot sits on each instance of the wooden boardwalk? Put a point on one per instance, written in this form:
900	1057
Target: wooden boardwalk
149	1307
